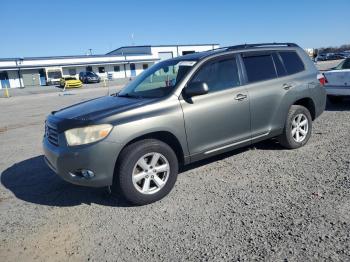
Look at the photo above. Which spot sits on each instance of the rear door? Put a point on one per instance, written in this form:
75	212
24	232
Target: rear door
219	120
268	83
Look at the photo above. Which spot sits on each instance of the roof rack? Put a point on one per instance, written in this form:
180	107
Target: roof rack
260	45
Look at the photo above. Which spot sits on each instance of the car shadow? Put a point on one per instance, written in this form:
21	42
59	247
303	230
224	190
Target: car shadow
32	181
343	105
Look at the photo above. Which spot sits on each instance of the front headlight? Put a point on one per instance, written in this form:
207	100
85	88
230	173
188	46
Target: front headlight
86	135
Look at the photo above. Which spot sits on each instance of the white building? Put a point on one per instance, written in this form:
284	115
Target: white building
121	63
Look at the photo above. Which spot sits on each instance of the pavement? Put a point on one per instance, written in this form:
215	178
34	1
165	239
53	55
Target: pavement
35	90
258	203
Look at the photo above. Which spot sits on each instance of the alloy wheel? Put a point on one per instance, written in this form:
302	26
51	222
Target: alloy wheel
150	173
300	128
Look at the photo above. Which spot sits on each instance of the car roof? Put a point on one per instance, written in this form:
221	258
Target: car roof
244	47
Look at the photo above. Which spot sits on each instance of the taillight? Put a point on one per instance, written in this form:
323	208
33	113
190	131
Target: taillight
322	78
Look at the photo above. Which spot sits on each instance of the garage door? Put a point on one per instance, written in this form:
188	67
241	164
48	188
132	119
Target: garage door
31	78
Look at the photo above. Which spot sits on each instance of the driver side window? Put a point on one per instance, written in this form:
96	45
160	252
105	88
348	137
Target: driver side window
219	74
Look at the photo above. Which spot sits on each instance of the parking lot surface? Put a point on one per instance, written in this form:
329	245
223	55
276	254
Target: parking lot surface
258	203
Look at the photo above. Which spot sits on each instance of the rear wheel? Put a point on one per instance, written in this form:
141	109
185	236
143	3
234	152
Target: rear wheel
147	171
297	129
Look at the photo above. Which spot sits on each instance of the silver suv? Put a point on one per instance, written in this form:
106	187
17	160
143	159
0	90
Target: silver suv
183	110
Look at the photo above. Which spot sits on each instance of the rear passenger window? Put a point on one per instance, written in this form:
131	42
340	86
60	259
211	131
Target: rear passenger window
219	74
259	67
281	71
292	62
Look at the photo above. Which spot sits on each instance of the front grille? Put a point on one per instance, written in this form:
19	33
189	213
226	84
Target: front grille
51	133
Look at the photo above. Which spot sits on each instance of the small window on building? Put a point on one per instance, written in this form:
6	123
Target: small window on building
72	71
259	67
292	62
144	66
116	68
101	69
89	68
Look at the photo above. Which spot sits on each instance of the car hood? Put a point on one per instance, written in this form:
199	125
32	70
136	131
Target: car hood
100	108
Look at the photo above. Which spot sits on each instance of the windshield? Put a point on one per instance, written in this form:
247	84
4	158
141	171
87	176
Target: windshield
159	80
90	74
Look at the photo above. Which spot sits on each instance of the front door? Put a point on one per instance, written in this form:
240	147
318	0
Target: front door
219	120
132	70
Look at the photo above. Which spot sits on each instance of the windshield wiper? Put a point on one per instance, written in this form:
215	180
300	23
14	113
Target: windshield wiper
129	96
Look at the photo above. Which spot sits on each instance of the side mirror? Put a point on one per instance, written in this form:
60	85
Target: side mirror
196	89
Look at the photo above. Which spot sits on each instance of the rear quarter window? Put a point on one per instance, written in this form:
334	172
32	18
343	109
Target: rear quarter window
292	62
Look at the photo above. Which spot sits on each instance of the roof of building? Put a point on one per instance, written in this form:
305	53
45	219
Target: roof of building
146	49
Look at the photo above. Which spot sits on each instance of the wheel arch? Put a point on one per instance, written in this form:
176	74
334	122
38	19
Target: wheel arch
165	136
308	103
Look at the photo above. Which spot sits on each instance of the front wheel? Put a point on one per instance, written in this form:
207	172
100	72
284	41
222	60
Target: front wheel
297	129
147	171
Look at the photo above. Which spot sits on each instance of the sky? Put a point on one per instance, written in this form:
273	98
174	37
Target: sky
63	27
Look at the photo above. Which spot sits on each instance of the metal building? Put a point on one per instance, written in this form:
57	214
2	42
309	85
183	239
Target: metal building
124	62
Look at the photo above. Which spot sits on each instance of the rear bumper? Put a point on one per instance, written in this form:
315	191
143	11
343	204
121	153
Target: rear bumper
338	90
100	158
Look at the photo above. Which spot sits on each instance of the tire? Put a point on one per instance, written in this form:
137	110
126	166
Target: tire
292	141
335	99
159	183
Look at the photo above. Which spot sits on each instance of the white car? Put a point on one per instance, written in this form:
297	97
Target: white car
337	81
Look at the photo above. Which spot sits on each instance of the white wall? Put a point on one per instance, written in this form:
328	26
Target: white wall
111	61
177	50
13	78
109	68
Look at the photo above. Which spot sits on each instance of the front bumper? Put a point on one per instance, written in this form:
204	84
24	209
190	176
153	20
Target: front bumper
74	85
338	90
99	157
93	80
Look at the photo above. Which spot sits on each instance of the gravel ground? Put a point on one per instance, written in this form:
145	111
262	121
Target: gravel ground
257	203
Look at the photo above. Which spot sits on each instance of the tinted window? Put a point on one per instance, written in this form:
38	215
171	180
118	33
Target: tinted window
219	74
281	71
259	67
346	64
101	69
292	62
116	68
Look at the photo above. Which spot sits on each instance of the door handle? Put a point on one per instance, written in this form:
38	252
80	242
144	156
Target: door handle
240	97
286	86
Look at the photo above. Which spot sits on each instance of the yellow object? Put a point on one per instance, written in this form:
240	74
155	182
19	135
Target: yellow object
7	94
104	82
70	82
